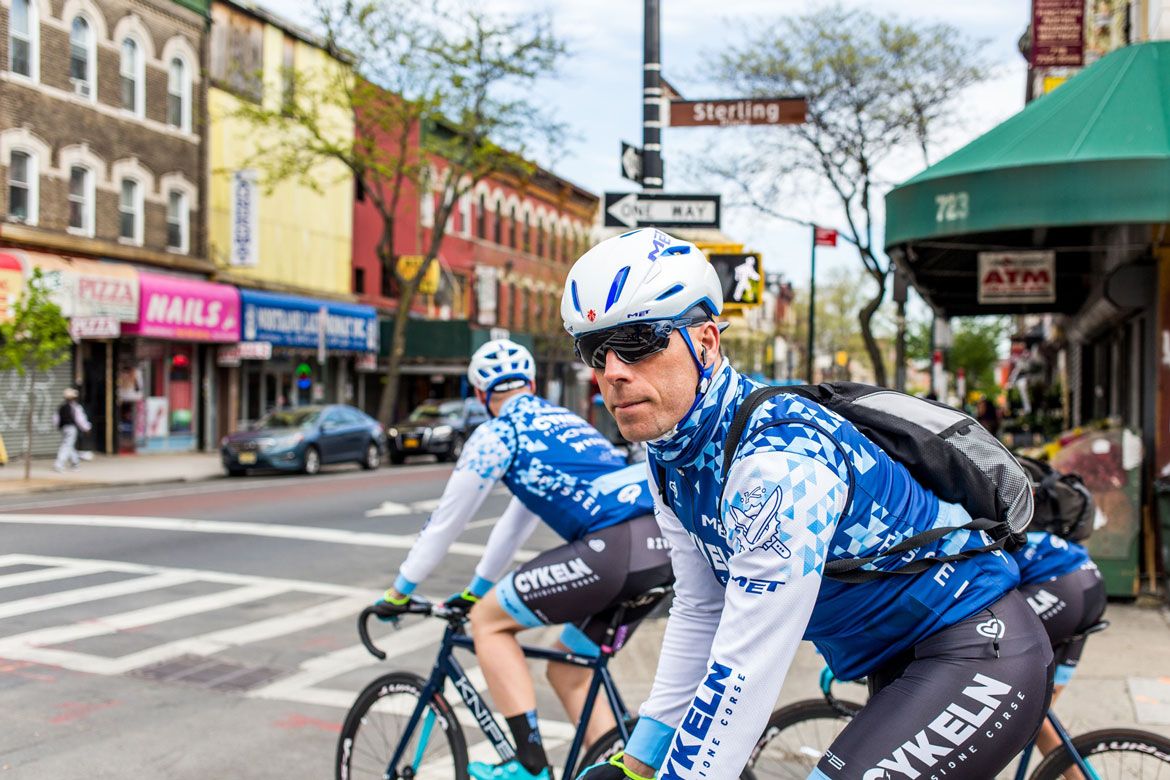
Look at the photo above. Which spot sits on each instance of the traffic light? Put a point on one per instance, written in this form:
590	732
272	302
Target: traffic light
742	277
304	376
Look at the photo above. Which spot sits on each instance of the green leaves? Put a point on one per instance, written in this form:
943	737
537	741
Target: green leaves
37	337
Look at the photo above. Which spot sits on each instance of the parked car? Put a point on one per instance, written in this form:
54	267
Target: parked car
436	427
305	438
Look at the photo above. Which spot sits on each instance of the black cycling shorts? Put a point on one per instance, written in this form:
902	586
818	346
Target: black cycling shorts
581	583
1067	606
955	707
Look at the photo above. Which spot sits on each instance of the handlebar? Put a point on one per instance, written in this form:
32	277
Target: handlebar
416	606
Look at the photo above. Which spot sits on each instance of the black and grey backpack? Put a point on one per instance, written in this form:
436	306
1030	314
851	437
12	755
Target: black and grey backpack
1064	506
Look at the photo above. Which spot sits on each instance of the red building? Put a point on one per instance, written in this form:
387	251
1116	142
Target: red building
508	247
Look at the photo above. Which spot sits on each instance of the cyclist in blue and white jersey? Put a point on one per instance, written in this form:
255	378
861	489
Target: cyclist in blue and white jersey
958	663
562	471
1064	588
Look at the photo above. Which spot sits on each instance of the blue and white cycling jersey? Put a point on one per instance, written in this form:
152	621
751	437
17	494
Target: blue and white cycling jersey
1047	557
805	487
560	471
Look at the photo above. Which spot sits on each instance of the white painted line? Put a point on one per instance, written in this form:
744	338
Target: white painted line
90	594
46	575
389	509
271	530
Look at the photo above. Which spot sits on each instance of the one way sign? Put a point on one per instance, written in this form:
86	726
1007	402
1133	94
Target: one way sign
652	209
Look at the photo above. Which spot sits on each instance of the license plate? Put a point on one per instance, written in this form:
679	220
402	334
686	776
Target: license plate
247	458
410	444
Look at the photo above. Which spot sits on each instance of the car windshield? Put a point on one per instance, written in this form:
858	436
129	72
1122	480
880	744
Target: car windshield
288	418
437	410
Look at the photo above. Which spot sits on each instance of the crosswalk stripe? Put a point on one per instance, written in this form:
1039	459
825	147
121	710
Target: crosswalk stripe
46	575
94	593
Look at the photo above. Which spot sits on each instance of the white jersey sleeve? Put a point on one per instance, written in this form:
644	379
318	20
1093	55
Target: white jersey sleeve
779	511
511	530
486	456
690	629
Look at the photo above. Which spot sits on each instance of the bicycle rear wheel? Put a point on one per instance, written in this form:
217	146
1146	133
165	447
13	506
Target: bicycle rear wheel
796	737
1113	754
376	725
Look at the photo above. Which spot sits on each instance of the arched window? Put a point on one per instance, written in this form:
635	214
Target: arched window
527	233
481	217
540	238
498	230
23	187
132	76
82	59
178	95
24	39
514	242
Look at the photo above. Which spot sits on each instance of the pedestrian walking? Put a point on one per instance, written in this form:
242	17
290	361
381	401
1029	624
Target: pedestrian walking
71	420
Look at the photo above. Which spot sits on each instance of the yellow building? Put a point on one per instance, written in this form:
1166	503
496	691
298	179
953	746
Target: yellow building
295	238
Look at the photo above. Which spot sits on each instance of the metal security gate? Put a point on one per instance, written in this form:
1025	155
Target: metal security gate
14	400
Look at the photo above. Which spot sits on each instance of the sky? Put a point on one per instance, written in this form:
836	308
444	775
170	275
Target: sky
598	91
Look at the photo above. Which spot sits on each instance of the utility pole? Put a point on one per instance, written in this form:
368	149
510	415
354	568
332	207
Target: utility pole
651	99
812	306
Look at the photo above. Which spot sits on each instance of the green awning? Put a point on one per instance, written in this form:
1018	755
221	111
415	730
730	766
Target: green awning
442	340
1096	151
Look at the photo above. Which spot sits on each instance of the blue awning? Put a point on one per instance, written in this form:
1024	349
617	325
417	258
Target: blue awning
292	321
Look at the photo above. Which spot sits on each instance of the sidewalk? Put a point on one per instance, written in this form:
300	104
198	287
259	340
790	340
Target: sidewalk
111	470
1123	679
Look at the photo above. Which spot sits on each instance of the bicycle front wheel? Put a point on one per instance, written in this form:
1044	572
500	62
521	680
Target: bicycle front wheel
796	737
1112	754
377	724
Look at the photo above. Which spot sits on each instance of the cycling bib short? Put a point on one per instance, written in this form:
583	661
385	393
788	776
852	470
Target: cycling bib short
581	583
959	705
1068	606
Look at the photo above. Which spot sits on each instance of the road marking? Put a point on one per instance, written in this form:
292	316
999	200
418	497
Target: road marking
93	593
273	530
45	575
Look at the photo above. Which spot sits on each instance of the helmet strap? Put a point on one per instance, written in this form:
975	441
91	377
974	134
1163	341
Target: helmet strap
705	371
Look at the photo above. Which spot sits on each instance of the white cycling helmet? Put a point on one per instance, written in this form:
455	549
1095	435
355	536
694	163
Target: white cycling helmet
498	361
641	275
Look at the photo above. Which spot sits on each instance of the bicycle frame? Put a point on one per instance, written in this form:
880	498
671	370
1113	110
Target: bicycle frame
447	667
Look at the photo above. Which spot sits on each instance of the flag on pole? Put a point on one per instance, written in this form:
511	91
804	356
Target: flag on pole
824	236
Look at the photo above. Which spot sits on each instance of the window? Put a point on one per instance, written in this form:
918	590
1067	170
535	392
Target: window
359	280
288	76
499	226
481	217
426	208
23	35
130	212
81	200
132	76
178	95
540	238
465	214
178	220
527	234
22	187
513	241
81	59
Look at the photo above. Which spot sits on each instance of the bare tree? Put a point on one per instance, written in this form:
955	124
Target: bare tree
877	88
440	97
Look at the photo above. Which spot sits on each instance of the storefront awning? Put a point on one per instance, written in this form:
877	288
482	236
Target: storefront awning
1094	153
83	288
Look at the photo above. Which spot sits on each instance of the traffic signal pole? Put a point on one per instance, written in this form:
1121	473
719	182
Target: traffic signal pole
812	306
651	99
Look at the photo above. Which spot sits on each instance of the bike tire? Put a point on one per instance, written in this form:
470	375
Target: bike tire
796	737
611	743
1113	754
373	728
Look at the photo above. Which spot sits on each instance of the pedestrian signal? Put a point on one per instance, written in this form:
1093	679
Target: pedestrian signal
742	278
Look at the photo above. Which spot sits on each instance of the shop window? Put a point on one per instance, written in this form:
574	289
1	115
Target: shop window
179	95
132	77
22	187
180	391
23	38
81	200
82	57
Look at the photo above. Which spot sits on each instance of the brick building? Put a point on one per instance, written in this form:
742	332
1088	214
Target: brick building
102	169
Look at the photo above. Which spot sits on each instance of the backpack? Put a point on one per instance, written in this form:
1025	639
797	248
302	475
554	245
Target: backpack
945	450
65	415
1064	506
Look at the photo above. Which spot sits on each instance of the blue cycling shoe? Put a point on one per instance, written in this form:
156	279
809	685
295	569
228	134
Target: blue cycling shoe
510	770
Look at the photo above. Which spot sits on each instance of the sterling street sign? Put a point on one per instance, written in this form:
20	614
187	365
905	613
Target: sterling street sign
731	112
653	209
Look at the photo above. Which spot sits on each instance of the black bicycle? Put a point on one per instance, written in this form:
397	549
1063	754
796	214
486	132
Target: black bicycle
402	726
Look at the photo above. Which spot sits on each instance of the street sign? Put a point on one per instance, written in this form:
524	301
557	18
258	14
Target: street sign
824	236
631	163
653	209
1058	33
733	111
742	278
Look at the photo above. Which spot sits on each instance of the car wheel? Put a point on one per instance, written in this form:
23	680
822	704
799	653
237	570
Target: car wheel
312	463
373	457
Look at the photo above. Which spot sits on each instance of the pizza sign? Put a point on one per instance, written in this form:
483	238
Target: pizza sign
1017	277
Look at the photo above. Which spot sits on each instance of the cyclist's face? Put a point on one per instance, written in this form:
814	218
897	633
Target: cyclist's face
650	397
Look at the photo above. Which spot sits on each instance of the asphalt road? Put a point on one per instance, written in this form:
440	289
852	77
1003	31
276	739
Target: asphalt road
207	630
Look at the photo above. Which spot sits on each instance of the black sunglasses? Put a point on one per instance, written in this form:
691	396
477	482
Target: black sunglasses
631	343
